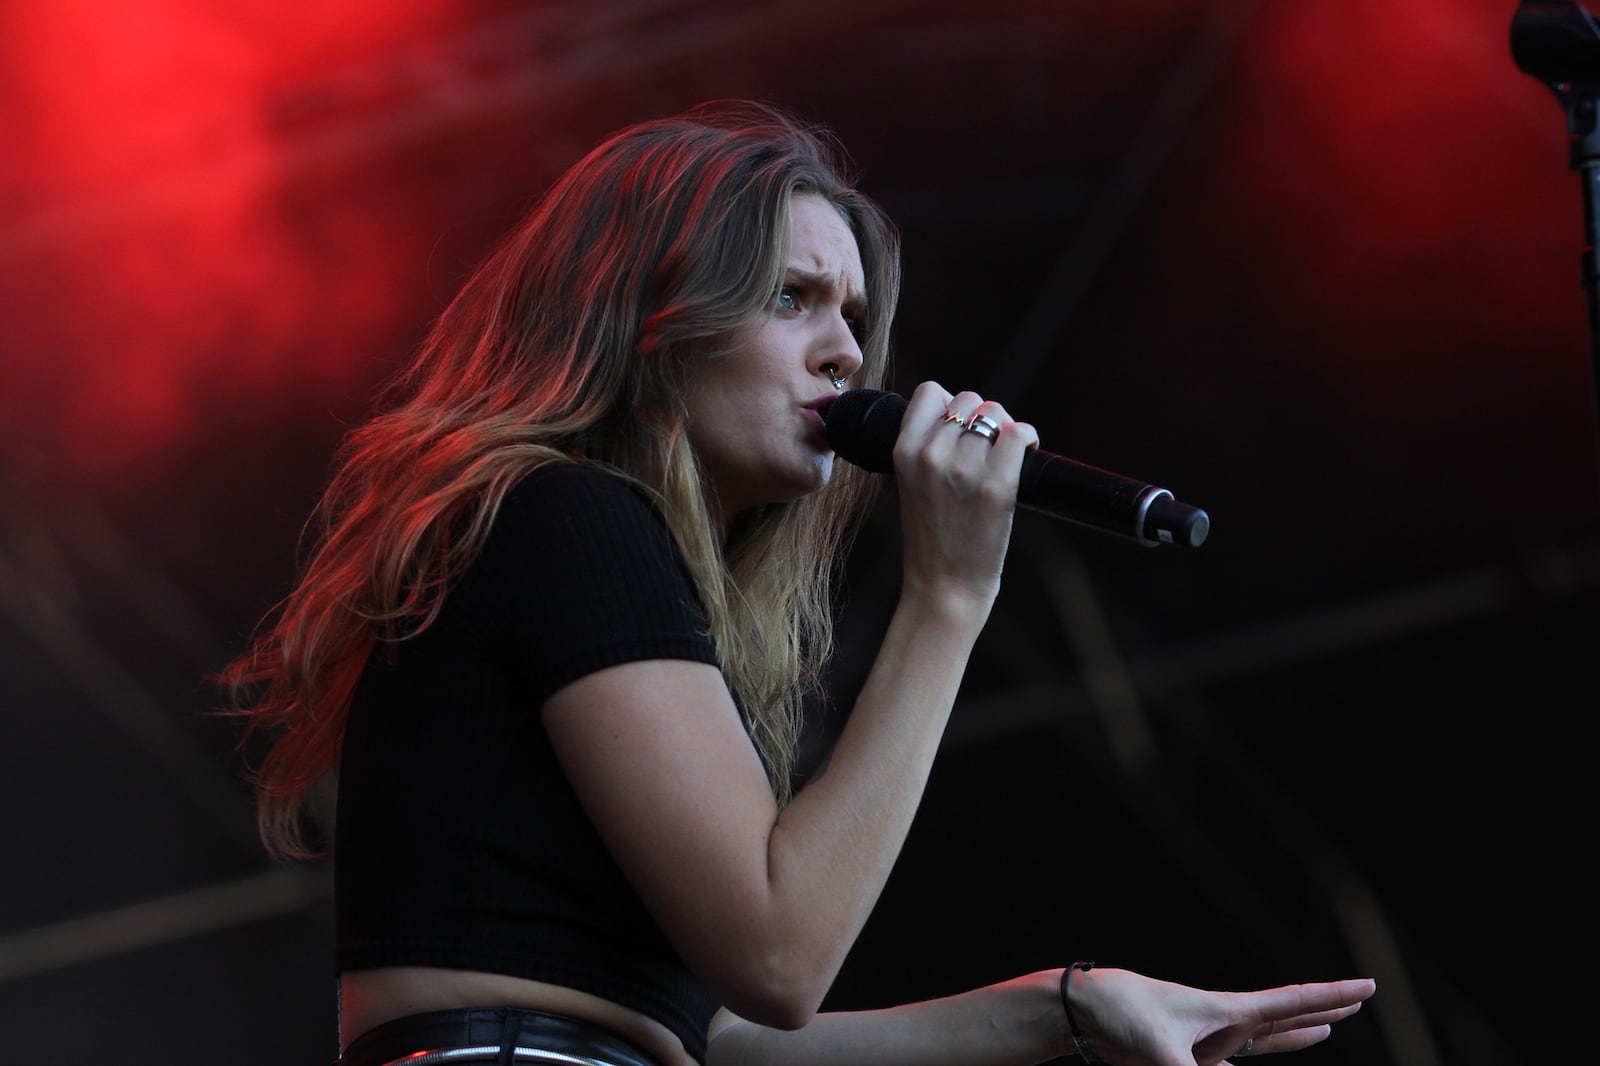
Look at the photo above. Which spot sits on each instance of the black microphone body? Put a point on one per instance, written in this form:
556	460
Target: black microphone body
863	424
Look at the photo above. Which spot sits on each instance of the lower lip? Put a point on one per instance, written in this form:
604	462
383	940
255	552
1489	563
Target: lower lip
817	423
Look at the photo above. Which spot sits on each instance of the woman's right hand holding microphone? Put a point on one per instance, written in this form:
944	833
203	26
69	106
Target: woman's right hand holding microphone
957	463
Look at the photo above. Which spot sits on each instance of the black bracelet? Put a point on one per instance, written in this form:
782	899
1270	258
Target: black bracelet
1077	1037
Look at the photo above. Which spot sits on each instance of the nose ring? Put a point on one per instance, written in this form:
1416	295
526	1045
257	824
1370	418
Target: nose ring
833	376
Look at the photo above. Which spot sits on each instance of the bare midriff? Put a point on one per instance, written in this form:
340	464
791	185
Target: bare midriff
368	998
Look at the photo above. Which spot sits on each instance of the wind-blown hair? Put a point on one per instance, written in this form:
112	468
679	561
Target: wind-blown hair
574	342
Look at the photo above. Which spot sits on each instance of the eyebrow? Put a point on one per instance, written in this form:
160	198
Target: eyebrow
854	303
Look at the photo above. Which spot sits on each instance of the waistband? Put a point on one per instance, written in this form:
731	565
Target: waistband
501	1035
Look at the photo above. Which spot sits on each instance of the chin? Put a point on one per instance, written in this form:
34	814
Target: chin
824	468
802	482
786	484
821	472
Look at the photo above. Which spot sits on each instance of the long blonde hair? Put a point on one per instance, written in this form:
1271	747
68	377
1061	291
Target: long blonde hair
573	342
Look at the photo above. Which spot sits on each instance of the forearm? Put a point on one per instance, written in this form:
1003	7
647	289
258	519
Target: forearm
791	887
1017	1023
832	848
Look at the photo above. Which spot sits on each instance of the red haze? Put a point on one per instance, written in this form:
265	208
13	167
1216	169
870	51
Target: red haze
154	268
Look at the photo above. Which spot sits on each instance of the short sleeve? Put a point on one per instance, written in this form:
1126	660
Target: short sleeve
579	573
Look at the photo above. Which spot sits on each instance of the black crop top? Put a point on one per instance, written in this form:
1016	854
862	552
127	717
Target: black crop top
459	843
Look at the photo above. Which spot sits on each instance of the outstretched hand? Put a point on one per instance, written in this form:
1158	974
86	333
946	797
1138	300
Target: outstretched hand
1132	1020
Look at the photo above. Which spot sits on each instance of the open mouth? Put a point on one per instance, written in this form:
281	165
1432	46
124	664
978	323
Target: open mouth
816	412
821	404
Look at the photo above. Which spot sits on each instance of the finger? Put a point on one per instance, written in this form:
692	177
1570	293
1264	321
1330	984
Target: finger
1321	1017
928	401
929	455
983	422
1293	1034
1018	436
1293	1001
1294	1040
994	409
1000	430
922	426
964	405
944	436
939	415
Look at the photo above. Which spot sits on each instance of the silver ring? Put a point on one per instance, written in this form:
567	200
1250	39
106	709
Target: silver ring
983	426
1249	1042
833	376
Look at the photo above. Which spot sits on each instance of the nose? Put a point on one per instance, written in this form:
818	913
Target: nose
839	355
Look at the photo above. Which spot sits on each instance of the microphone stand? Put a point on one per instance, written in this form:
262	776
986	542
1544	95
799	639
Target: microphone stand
1558	42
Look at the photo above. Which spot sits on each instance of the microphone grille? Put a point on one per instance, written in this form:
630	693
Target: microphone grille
863	425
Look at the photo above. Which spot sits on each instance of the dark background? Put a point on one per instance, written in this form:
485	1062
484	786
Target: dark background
1311	265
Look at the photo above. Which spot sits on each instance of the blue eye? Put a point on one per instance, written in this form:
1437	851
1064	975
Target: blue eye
788	299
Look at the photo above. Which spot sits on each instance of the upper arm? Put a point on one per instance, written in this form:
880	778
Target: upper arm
582	591
658	757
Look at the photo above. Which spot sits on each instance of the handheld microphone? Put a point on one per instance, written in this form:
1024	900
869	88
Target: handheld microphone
863	424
